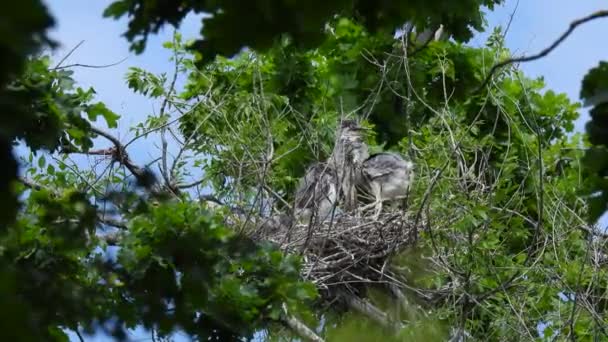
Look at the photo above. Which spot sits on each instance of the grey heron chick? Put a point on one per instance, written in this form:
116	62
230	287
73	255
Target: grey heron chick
317	194
349	152
386	176
350	147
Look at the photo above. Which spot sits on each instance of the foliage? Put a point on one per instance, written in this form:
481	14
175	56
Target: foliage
230	285
497	171
594	88
23	33
176	267
503	231
222	27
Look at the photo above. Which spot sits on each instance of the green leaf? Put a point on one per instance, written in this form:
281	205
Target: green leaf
100	108
117	9
41	161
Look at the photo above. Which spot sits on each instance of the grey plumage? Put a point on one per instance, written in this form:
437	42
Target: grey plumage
429	34
350	147
316	194
387	177
349	152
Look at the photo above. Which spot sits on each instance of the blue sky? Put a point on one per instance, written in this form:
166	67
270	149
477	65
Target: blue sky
536	24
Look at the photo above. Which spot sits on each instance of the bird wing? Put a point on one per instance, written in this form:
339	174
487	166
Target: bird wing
315	186
382	164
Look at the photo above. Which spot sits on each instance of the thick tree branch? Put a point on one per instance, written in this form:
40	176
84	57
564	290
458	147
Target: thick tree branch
546	51
300	328
366	308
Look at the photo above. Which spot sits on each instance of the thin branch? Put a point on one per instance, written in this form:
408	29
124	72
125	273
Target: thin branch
278	197
113	222
90	66
78	332
38	187
68	55
31	184
191	185
119	154
164	166
546	51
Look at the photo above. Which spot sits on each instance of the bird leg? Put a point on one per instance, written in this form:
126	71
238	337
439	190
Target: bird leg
378	209
366	207
377	204
379	200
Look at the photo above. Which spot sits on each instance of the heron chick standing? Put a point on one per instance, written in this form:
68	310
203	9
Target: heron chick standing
387	176
350	150
317	194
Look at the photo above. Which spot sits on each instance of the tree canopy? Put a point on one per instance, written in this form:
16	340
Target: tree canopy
500	231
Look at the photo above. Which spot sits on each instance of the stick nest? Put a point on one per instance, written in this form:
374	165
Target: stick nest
348	252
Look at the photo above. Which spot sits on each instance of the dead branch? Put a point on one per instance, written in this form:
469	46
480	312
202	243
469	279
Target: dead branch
68	54
91	66
544	52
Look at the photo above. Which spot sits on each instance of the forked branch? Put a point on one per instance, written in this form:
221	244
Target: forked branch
546	51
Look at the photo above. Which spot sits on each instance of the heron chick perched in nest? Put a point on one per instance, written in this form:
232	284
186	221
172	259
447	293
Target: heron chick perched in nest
387	176
317	194
349	152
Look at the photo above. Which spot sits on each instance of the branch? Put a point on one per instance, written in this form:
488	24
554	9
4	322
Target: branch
191	185
278	197
80	338
299	327
113	222
164	168
546	51
31	184
366	308
106	135
234	209
68	55
119	154
90	65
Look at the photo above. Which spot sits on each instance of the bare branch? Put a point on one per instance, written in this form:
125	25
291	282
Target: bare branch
546	51
164	166
90	66
191	185
120	155
300	328
113	222
68	54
